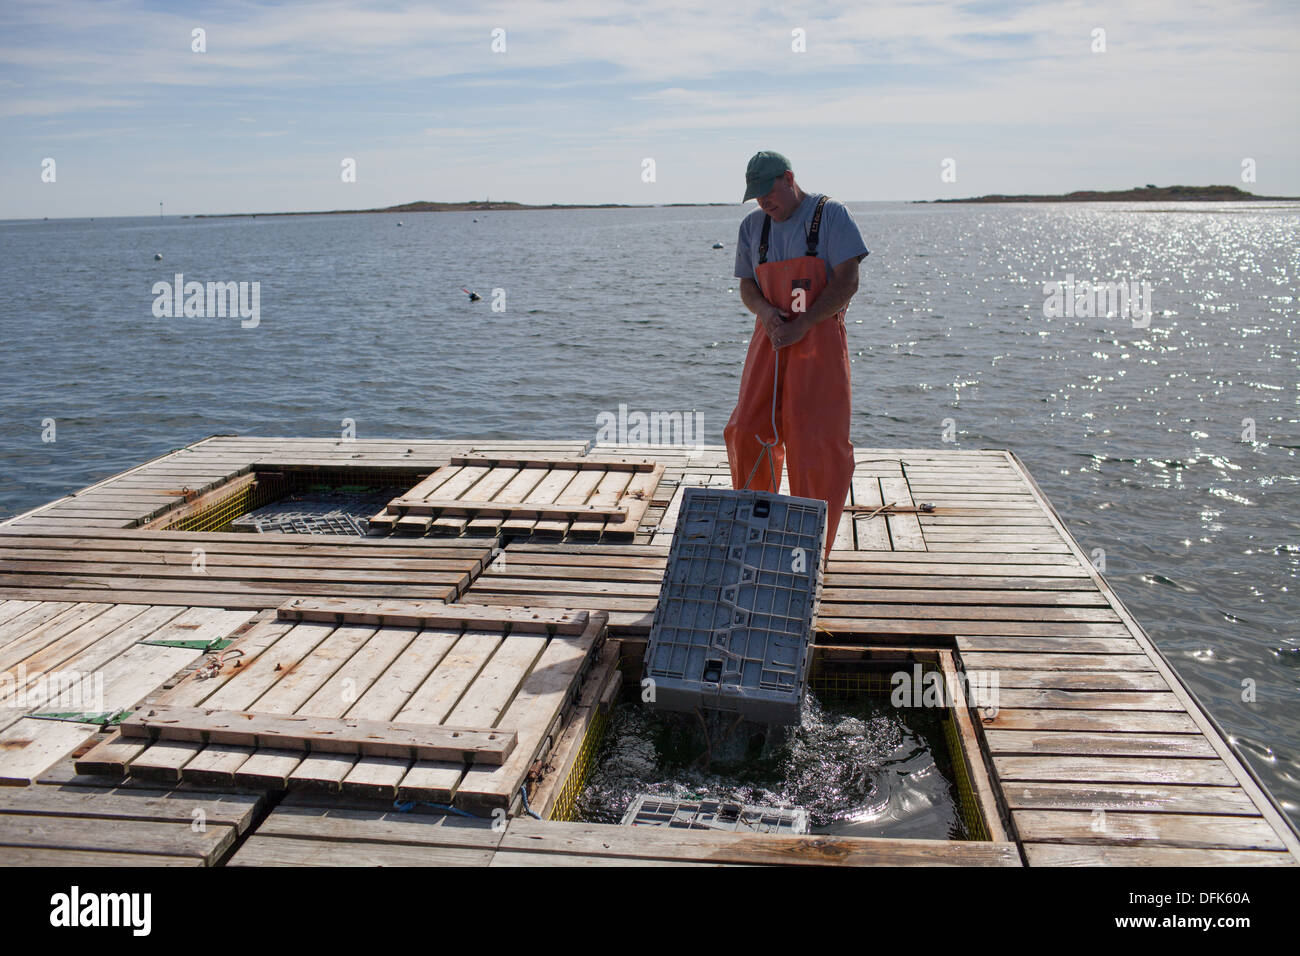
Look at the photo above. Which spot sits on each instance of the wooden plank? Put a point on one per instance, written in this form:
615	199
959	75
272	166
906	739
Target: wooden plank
549	484
1073	854
253	550
456	486
261	850
195	591
548	462
634	500
368	687
391	698
1091	721
411	613
601	840
29	746
528	509
1082	680
1127	828
495	481
431	484
1040	698
1038	614
123	836
1249	783
303	565
11	609
869	596
481	705
532	714
103	803
904	529
1143	797
881	627
1097	769
34	674
286	576
872	534
608	495
971	752
503	858
598	693
577	491
192	506
115	755
1064	743
342	735
46	856
47	633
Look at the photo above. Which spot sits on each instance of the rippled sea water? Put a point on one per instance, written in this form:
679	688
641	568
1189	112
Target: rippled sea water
1141	437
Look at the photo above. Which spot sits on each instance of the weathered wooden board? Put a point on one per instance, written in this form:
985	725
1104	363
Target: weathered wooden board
306	733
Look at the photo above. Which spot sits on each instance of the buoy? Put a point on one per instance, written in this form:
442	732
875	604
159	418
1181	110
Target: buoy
399	222
717	245
157	257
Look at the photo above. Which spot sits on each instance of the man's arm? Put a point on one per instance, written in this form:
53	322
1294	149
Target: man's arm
836	295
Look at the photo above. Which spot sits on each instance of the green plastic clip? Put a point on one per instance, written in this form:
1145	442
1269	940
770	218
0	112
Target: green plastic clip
107	718
219	644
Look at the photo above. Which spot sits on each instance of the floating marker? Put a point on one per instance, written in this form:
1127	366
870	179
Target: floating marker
157	257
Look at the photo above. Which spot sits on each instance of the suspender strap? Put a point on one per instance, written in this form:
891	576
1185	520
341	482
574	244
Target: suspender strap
815	229
814	232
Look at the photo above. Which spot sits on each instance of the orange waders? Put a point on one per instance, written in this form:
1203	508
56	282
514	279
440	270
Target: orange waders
812	392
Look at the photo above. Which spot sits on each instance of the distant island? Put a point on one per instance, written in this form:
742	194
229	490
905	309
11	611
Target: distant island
485	205
1148	193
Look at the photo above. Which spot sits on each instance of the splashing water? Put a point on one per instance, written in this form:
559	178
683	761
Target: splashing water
858	767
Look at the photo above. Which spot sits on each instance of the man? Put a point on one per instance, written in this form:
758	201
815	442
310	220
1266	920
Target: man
797	260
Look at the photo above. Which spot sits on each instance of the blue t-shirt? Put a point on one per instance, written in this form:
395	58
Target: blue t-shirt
838	240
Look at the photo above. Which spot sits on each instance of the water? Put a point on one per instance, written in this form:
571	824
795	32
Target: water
859	767
1136	435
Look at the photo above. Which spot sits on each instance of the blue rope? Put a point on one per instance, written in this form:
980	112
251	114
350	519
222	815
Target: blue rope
523	792
410	805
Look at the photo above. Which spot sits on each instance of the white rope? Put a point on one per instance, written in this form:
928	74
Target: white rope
769	446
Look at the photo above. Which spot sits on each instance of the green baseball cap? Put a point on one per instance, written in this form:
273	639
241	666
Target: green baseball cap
762	173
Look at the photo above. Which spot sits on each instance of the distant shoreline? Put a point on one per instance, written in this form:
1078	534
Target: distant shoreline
1146	193
473	206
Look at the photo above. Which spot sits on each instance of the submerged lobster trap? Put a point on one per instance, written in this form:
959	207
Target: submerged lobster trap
650	810
732	630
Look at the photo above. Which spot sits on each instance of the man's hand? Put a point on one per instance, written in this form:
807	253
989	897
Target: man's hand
790	332
773	319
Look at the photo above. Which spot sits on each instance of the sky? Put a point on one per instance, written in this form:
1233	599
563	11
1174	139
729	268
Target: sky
867	100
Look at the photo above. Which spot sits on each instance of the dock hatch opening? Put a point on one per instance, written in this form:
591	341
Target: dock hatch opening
920	757
289	500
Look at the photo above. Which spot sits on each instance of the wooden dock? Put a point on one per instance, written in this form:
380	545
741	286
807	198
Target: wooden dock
514	577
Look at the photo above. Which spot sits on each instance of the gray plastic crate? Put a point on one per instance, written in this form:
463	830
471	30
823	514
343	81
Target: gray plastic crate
316	513
649	810
733	627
